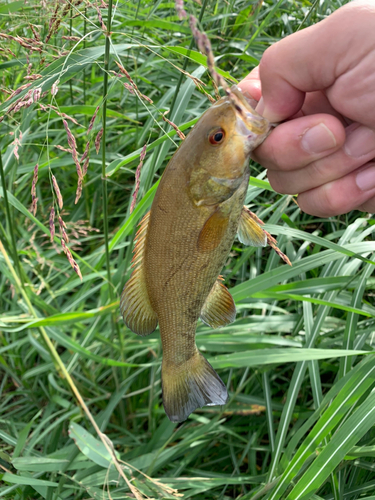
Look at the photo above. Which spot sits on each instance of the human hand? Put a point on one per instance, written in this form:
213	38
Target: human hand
322	79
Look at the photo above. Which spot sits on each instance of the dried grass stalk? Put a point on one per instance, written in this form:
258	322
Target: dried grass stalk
180	134
137	178
133	86
271	241
204	45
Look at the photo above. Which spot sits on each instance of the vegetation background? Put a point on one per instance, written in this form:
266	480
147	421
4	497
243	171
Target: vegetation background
298	362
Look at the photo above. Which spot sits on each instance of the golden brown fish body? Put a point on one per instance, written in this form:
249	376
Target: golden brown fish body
182	246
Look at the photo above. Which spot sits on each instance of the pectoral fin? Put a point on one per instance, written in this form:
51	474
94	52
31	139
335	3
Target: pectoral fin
249	231
219	308
213	231
135	303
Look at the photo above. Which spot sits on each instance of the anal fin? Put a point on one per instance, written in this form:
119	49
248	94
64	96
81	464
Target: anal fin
135	303
219	308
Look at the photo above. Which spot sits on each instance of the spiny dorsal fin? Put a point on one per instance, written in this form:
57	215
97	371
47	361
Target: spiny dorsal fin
251	233
219	308
135	304
212	231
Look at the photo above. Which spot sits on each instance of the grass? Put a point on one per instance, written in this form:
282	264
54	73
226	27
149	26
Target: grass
80	398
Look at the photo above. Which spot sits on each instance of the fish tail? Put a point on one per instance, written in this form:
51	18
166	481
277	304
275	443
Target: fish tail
189	386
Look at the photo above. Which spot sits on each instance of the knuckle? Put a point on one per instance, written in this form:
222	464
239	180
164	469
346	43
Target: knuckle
330	202
278	183
266	62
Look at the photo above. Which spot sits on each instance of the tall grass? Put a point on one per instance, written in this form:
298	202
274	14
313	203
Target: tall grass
80	396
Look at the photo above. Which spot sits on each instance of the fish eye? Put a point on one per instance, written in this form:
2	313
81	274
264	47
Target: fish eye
217	136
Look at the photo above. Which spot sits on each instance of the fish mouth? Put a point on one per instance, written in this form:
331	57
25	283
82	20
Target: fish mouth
250	124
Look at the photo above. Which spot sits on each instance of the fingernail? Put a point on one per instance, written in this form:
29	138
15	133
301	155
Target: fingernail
365	179
318	139
360	142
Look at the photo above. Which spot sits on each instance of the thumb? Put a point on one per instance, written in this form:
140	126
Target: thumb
313	59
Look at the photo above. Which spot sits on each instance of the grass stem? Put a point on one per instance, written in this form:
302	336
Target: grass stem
9	221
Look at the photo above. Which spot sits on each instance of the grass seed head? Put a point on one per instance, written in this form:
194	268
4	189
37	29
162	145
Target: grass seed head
34	205
85	166
55	87
91	124
73	146
35	180
52	223
67	150
72	262
35	33
137	178
86	152
181	12
16	143
79	190
62	230
98	139
129	88
37	93
58	193
104	27
71	38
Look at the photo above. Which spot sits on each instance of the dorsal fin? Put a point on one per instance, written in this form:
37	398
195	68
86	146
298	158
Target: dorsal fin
135	303
219	308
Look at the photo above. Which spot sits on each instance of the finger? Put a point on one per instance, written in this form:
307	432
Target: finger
368	206
353	191
317	102
286	76
251	84
359	148
297	143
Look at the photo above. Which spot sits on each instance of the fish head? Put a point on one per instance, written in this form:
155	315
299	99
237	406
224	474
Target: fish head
227	133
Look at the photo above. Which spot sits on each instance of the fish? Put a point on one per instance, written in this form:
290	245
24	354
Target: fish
183	243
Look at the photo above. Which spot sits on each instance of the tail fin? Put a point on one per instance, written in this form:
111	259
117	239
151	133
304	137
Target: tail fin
189	386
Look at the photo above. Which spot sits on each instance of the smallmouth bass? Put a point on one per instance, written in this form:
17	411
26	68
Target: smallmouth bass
183	243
